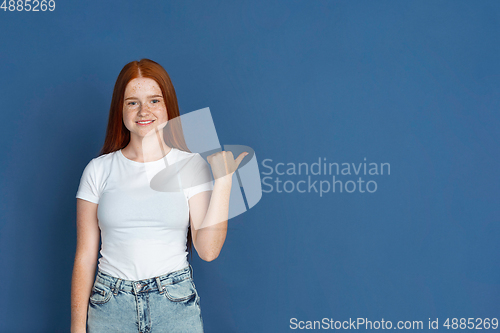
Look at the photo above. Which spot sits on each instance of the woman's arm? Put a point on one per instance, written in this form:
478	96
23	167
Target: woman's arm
209	210
87	249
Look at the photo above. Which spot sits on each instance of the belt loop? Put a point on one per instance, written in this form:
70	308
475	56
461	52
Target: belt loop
160	288
117	286
191	271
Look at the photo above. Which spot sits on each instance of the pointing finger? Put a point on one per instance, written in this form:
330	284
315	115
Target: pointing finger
240	158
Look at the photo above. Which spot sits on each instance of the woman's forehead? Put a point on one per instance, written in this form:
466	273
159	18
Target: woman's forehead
142	85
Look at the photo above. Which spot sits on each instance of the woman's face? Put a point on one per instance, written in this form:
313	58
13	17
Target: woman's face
144	108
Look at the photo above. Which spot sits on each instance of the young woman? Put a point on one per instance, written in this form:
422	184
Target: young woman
144	281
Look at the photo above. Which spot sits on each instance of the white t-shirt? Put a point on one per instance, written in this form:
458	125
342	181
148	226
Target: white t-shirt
143	223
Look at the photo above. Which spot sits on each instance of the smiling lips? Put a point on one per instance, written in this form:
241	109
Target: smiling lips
144	123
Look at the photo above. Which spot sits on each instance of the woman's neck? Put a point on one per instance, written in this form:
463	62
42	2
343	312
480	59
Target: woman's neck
146	150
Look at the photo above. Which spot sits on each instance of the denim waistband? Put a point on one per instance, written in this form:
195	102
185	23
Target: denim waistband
146	285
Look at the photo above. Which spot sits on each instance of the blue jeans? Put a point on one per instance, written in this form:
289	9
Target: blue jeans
167	303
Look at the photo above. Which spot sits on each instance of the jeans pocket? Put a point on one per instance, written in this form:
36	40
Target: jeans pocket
100	294
180	291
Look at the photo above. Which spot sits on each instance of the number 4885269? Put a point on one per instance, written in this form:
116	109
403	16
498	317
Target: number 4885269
28	5
471	323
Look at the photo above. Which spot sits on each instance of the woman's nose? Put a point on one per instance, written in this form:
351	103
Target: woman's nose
144	109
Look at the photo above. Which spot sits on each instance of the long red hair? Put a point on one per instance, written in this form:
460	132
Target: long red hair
118	136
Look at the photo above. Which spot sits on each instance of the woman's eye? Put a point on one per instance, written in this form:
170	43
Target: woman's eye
131	103
155	100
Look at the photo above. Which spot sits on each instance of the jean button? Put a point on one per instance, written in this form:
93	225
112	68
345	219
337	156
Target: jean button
138	286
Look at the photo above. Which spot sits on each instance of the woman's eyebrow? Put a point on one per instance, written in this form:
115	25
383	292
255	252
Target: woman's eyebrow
147	96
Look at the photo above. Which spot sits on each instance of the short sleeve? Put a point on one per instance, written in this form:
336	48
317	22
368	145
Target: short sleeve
88	189
202	178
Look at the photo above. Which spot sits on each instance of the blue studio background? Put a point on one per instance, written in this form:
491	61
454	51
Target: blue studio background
411	83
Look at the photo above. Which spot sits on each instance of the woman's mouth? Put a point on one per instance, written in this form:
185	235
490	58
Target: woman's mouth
144	123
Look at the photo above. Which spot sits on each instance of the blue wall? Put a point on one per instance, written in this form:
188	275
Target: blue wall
410	83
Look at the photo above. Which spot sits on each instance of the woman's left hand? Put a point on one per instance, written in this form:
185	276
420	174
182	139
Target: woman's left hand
223	163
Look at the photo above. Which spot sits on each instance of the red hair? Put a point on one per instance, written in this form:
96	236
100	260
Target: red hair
118	136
